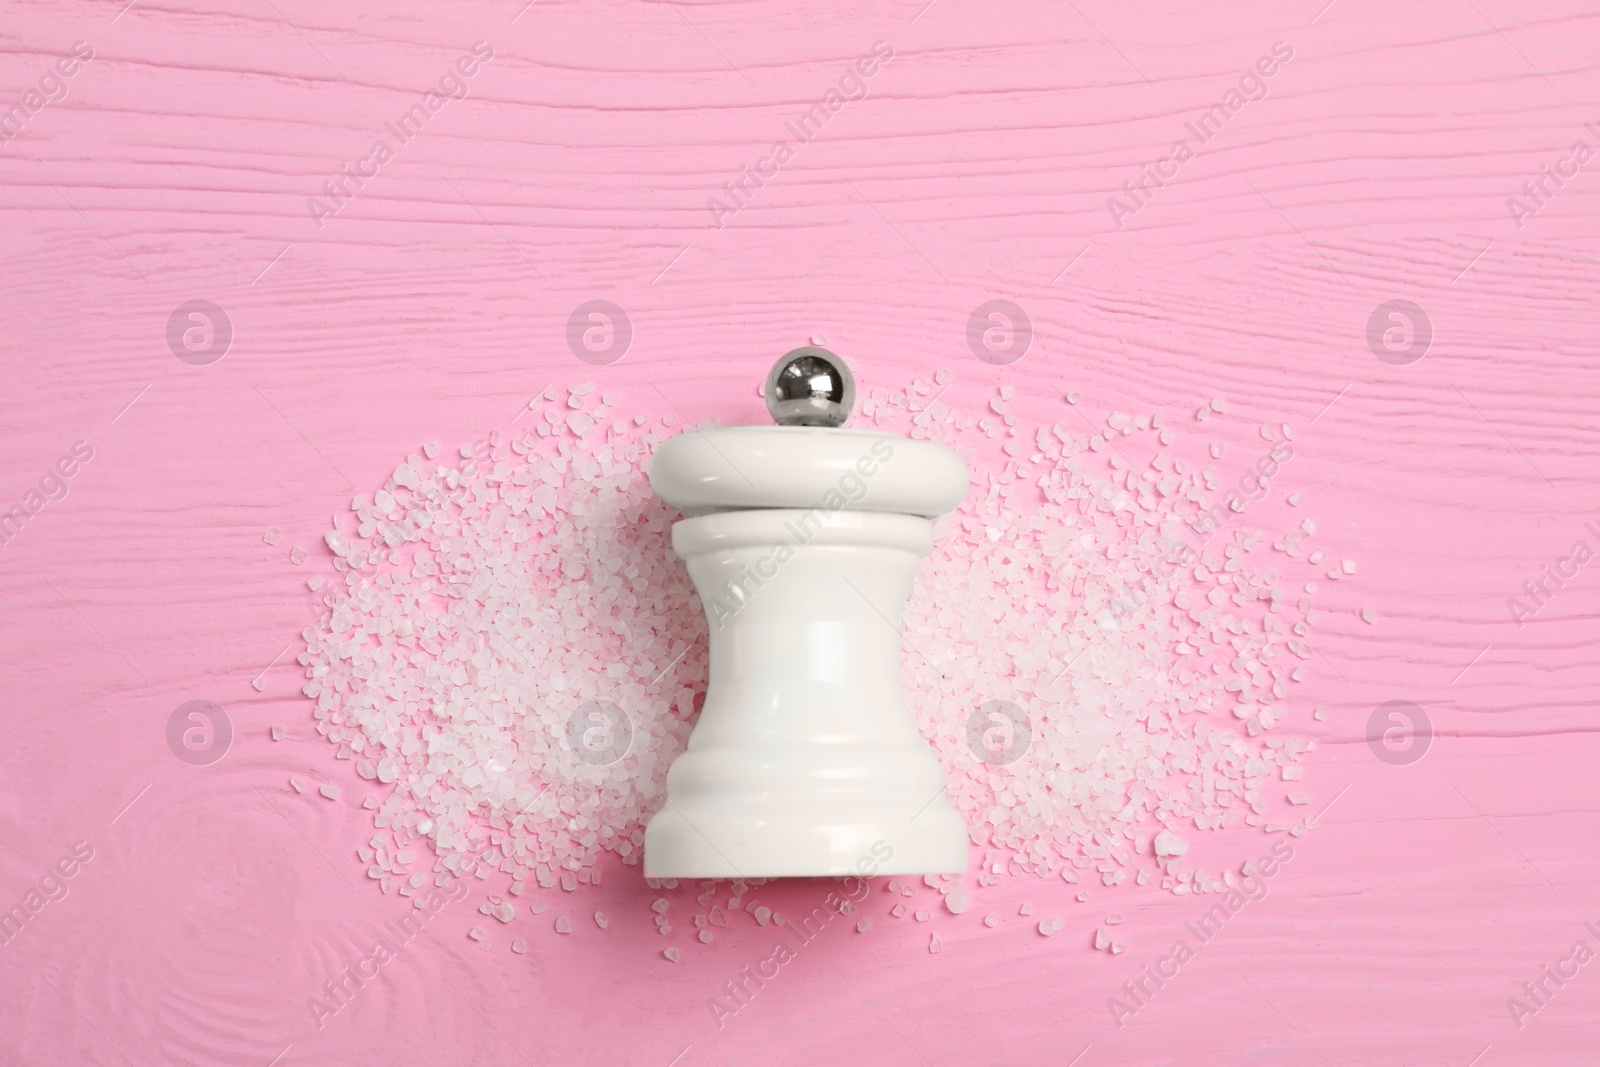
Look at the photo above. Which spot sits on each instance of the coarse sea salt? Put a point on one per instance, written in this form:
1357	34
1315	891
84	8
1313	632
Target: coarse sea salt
478	604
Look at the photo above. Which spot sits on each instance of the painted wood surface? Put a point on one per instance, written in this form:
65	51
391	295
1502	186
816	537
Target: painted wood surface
1384	159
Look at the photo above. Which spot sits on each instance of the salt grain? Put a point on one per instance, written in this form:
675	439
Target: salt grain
562	925
1168	843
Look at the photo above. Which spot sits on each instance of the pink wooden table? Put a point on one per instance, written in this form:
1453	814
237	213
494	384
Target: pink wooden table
1031	153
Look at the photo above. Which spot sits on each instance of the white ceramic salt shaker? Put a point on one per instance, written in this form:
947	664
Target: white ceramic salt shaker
803	544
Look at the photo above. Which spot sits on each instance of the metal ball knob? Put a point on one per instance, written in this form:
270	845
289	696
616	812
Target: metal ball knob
810	387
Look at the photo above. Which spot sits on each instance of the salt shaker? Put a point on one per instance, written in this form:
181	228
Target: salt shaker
802	540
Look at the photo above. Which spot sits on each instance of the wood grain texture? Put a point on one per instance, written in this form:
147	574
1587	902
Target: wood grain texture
431	306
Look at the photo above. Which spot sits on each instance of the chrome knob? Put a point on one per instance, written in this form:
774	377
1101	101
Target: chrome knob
810	387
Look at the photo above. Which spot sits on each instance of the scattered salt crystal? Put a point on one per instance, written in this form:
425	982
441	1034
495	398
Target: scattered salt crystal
1369	616
1049	927
332	792
934	944
705	937
957	899
562	925
505	913
1026	909
923	915
1293	773
1218	405
1348	566
863	925
1299	798
763	914
297	555
991	920
1320	714
296	785
1113	920
476	934
1118	947
420	643
898	910
1295	499
271	536
277	732
1102	938
600	920
1170	844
